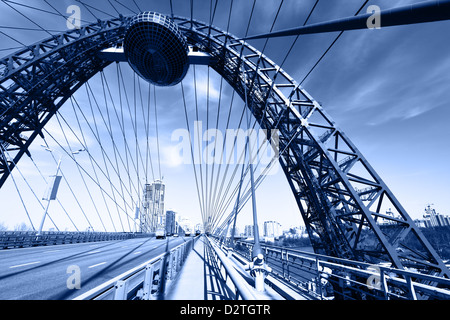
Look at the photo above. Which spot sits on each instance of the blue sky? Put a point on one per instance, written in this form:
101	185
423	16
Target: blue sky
387	89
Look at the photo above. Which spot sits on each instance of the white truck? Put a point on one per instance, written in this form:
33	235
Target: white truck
160	233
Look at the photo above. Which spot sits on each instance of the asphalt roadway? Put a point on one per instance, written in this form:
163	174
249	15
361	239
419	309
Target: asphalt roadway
47	272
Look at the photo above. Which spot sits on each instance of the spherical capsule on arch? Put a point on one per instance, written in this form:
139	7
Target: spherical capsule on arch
156	49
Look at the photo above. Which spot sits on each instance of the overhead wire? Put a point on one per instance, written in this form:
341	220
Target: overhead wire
97	136
64	176
59	13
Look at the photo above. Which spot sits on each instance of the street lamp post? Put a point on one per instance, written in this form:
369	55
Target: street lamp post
51	194
52	187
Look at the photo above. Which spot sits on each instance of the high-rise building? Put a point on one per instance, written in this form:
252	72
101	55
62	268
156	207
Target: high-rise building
249	231
272	229
152	216
171	224
144	215
434	219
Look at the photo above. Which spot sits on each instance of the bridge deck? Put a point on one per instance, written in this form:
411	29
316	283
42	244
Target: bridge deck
202	279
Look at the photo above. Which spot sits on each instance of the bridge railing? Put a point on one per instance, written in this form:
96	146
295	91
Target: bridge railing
241	288
332	278
20	239
147	281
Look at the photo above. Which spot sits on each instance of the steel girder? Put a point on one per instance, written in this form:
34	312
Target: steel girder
339	194
37	80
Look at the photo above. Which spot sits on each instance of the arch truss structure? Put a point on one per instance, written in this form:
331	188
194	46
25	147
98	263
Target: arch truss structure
340	196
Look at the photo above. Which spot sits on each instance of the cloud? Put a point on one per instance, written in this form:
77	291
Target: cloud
387	73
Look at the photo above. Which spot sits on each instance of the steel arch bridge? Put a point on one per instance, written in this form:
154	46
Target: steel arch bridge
339	194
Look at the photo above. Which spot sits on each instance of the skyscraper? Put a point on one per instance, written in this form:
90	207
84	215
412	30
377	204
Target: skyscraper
272	229
248	231
152	216
171	222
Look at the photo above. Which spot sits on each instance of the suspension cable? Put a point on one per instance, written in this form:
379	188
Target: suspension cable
82	168
17	189
216	200
125	6
100	144
192	151
285	58
157	131
97	181
79	171
331	45
65	179
57	199
58	13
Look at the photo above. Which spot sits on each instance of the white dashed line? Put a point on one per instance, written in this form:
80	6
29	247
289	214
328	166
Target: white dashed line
96	265
25	264
49	251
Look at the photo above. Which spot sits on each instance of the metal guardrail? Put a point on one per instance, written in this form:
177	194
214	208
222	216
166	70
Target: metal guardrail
20	239
327	277
147	281
242	289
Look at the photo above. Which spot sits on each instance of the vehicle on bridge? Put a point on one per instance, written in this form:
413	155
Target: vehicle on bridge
160	233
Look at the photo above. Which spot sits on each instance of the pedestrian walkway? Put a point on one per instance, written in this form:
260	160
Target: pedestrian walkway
201	278
190	281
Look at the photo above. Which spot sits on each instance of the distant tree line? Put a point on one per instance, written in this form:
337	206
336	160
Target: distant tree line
438	237
293	242
18	227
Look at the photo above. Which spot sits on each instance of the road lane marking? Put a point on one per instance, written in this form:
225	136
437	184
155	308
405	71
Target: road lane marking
96	265
49	251
137	252
25	264
95	251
